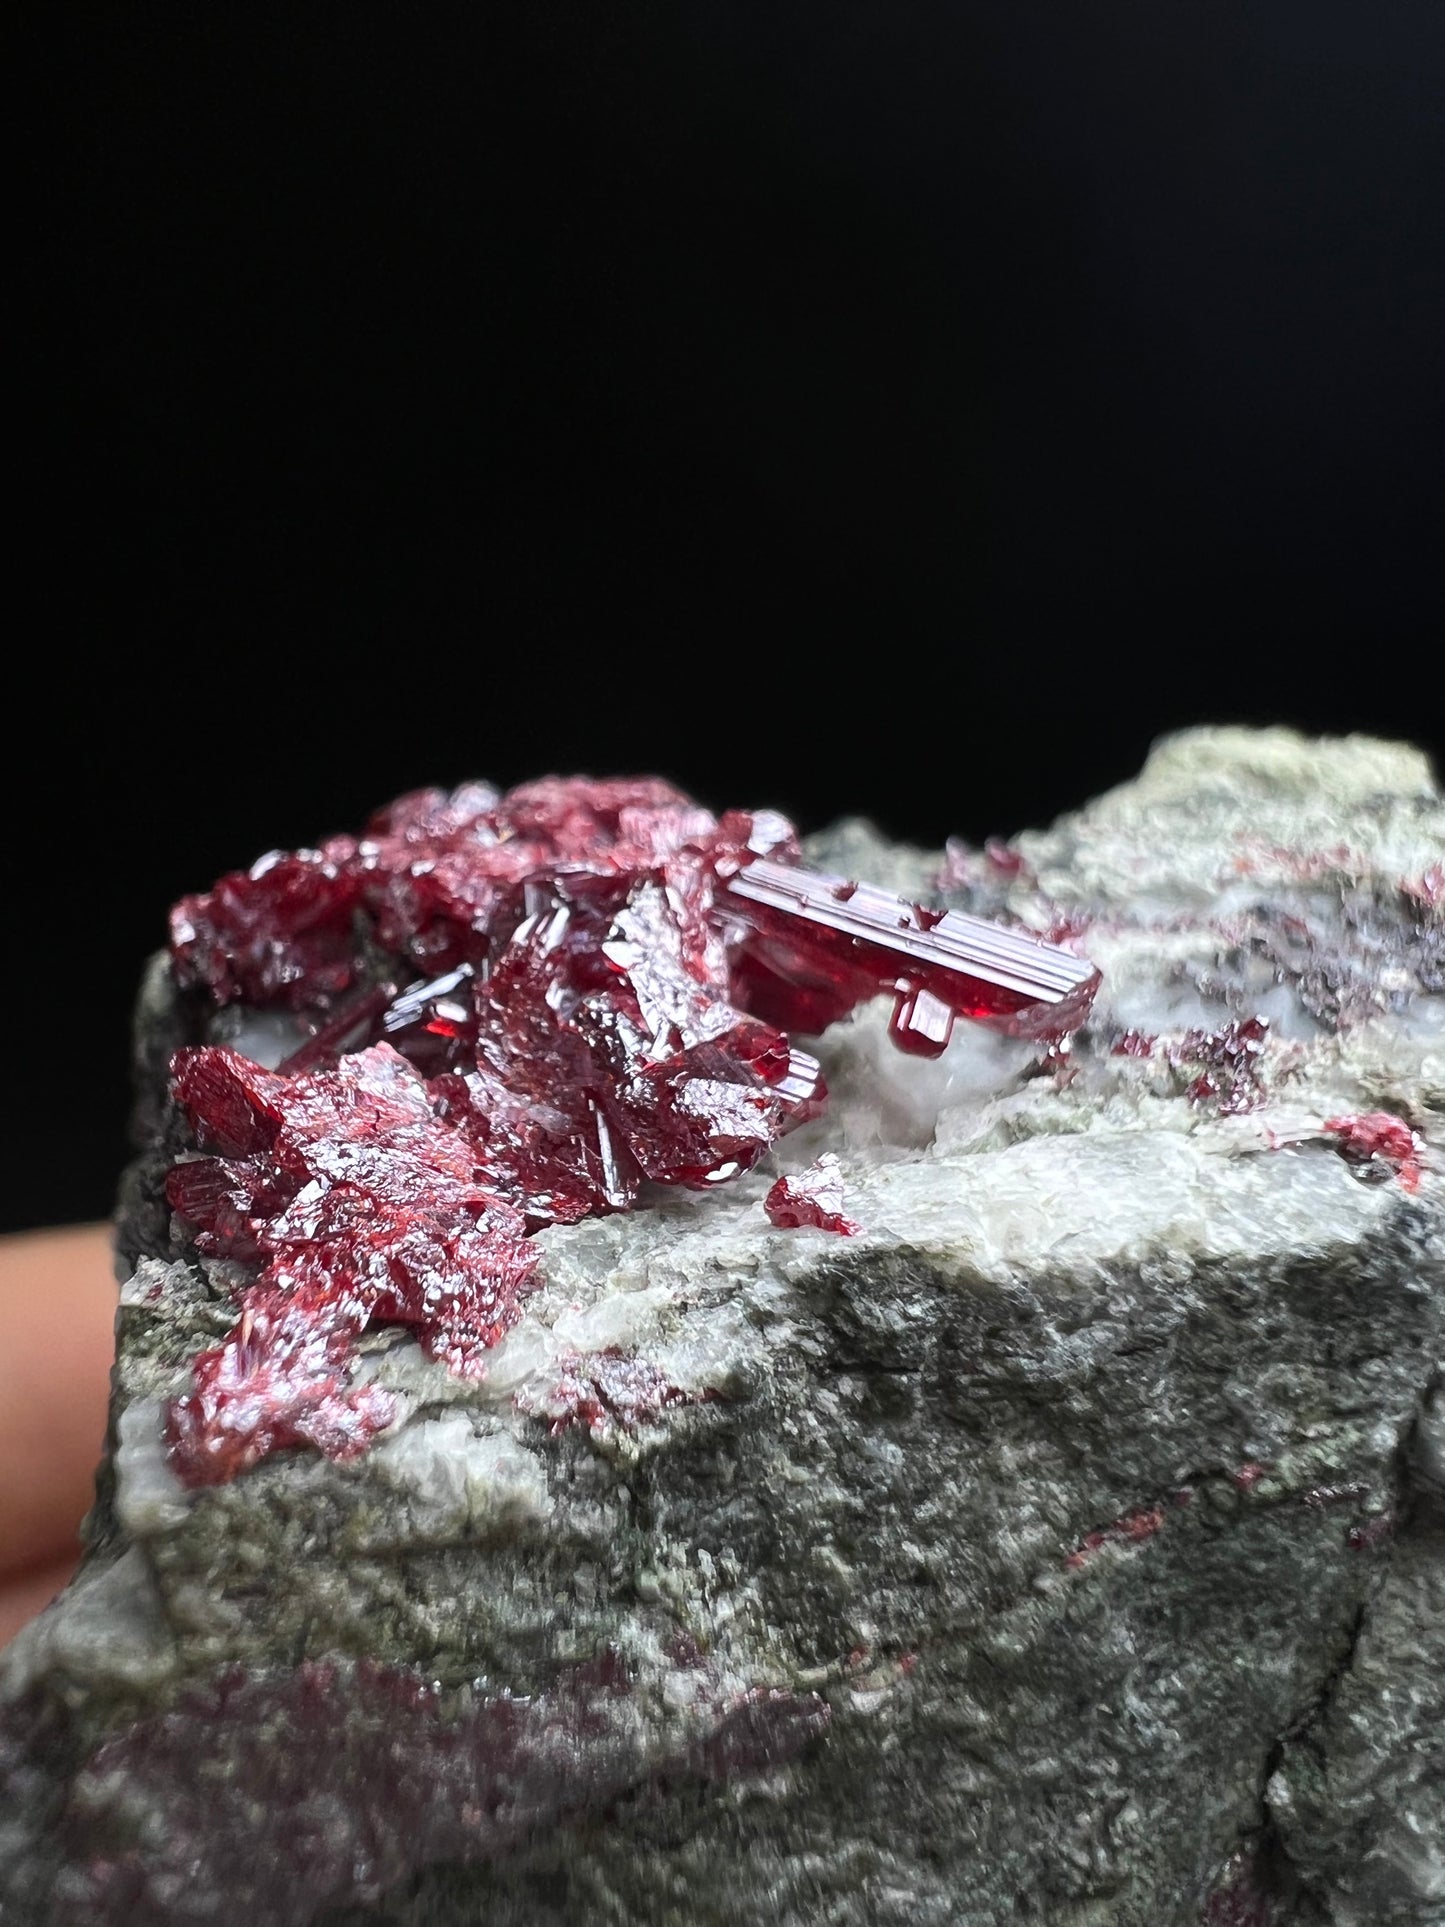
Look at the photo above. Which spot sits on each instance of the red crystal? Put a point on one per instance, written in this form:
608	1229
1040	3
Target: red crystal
548	998
1130	1528
1224	1067
815	946
280	932
1135	1043
811	1198
600	1059
361	1204
440	881
441	873
281	1378
1378	1137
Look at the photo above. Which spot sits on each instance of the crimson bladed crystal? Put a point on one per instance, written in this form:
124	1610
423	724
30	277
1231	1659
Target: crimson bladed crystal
814	946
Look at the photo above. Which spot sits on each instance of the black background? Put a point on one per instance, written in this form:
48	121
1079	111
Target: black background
869	405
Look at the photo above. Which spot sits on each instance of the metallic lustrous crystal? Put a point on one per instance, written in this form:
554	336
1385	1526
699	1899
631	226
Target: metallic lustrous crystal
815	946
520	1008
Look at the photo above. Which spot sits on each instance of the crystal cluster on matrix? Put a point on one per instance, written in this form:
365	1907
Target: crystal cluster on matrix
360	1203
1223	1068
519	1008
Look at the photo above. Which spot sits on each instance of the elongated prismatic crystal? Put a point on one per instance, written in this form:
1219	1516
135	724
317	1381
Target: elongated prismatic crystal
815	946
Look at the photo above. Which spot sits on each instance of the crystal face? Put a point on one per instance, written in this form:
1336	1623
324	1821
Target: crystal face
518	1010
1379	1140
811	1198
280	932
360	1203
816	946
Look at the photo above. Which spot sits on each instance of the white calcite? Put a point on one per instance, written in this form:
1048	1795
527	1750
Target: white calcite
455	1481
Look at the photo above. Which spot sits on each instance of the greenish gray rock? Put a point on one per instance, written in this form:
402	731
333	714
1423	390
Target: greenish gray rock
1069	1546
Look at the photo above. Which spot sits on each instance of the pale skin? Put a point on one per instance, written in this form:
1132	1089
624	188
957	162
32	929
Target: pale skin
57	1314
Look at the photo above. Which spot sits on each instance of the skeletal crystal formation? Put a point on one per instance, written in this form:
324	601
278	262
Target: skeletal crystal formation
666	1377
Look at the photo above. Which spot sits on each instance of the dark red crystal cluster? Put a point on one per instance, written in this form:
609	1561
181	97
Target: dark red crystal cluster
360	1203
515	1009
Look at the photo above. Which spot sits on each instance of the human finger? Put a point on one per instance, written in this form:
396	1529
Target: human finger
25	1594
57	1316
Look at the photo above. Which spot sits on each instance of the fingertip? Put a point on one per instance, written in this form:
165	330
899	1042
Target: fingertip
25	1594
57	1319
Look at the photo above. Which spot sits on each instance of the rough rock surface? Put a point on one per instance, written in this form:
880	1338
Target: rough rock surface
1067	1546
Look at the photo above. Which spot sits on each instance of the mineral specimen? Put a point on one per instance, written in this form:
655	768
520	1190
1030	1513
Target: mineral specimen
507	1518
581	1039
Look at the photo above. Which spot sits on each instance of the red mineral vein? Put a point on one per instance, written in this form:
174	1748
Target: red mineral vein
1129	1529
402	1773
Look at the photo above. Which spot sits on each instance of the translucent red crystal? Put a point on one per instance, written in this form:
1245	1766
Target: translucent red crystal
281	932
811	1198
438	881
1381	1139
521	1008
815	946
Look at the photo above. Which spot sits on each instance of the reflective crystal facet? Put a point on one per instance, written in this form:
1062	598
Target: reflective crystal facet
815	946
811	1199
520	1008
